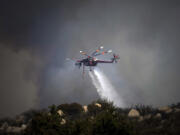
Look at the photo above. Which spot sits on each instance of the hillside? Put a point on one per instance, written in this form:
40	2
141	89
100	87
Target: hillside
98	118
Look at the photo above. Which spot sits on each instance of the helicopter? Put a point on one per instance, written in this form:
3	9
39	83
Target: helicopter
91	60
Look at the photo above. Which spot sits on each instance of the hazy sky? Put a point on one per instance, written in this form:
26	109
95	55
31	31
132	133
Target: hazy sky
37	36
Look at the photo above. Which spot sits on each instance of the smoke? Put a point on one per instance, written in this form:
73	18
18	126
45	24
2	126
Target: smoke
19	85
143	33
104	87
66	85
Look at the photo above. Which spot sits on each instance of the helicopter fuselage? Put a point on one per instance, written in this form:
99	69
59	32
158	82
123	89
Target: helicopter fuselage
89	62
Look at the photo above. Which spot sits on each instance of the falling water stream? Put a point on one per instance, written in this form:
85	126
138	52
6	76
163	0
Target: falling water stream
104	87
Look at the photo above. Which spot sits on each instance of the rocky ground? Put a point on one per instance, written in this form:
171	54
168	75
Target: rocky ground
99	117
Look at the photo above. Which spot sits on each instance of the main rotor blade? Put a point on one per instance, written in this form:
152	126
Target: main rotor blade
83	53
97	51
73	59
102	53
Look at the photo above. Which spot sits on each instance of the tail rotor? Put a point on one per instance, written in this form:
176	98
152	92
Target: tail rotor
115	58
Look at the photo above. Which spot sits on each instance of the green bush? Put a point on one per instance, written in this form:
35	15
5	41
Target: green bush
93	110
71	109
105	123
144	110
53	109
105	106
104	120
82	127
44	124
177	105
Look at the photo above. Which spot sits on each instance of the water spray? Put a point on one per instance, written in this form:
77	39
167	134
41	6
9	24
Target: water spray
104	87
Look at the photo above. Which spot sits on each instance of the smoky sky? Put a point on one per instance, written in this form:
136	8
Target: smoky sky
37	36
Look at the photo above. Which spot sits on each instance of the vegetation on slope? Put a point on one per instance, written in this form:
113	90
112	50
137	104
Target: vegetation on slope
100	118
